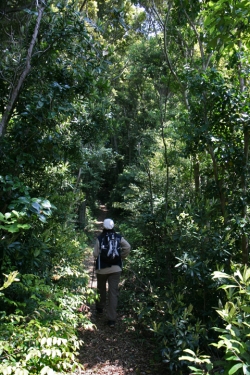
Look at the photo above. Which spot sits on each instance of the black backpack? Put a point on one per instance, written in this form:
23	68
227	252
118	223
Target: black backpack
110	250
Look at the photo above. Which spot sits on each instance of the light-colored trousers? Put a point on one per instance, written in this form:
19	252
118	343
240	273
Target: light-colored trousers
113	280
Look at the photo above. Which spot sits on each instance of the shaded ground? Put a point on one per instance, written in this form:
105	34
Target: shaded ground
115	351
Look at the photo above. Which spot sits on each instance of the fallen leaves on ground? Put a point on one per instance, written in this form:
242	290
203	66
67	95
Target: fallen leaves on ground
116	351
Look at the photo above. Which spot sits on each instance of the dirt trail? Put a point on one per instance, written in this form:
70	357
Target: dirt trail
114	351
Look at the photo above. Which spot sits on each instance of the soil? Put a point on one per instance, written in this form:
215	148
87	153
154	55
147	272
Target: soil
121	350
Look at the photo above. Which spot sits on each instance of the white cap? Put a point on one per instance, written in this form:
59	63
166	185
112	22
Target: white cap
108	224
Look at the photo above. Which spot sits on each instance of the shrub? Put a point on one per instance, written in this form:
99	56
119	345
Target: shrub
234	336
40	337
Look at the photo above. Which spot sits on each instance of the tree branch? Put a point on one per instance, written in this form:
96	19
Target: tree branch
204	63
83	5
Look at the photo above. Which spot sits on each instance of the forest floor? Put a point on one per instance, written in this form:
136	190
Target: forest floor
121	350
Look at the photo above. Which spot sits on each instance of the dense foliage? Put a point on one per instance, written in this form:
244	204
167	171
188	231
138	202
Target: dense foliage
143	106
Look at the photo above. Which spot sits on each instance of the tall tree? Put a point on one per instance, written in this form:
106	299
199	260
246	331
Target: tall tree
208	35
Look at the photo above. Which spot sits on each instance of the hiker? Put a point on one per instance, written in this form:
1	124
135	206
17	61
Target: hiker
110	248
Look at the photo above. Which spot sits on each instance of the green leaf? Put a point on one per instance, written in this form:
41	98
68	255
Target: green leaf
42	218
237	273
36	207
232	358
246	308
46	204
186	358
36	253
24	226
10	279
12	228
190	351
47	370
196	371
246	370
21	371
228	286
23	200
235	368
220	275
246	274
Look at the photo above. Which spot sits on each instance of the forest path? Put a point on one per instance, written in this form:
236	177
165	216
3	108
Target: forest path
114	351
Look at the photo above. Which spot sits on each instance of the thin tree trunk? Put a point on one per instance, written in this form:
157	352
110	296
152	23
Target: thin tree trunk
114	141
83	5
167	166
82	214
244	239
196	175
150	191
17	88
219	183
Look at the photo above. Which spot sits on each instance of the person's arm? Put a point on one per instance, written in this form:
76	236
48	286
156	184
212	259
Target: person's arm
125	248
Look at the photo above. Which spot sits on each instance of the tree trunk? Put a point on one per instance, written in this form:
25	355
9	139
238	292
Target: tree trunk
196	175
82	215
166	163
17	87
150	191
219	183
244	239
